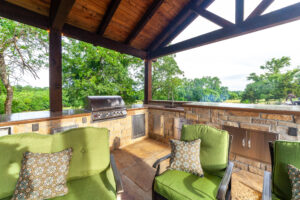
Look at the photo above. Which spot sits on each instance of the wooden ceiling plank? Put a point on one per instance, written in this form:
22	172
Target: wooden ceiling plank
19	14
97	40
59	11
239	11
22	15
144	20
212	17
113	6
264	4
185	17
278	17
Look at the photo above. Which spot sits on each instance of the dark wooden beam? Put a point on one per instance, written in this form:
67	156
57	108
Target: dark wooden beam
113	6
97	40
264	4
59	11
278	17
185	17
212	17
25	16
55	71
16	13
144	20
239	11
148	81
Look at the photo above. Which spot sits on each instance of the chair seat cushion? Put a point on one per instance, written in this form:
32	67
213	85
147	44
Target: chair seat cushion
179	185
97	187
274	197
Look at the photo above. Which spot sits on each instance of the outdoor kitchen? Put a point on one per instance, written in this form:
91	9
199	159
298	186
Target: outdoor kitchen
252	126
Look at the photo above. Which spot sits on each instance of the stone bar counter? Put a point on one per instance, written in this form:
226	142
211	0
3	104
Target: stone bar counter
252	127
163	122
46	122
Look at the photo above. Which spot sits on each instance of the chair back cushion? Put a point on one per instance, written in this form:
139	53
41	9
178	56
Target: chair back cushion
214	146
12	148
90	153
90	150
285	152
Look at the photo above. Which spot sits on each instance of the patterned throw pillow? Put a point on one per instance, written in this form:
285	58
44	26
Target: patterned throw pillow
185	156
43	175
294	175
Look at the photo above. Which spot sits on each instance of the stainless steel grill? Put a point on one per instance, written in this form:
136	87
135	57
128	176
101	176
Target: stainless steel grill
106	107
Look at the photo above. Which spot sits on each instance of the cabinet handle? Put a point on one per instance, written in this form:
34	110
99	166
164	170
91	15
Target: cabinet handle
249	144
244	142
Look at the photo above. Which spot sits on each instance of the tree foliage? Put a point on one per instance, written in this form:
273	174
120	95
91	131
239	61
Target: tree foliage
276	83
22	49
90	70
205	89
28	99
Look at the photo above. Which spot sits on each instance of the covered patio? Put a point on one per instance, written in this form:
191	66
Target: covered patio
145	29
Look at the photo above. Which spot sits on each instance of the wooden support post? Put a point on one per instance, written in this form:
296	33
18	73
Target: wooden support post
55	70
148	82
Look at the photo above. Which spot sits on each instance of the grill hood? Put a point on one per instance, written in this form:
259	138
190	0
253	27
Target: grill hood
106	107
98	103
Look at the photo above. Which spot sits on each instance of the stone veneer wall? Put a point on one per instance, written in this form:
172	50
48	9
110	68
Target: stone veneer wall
120	129
251	120
165	123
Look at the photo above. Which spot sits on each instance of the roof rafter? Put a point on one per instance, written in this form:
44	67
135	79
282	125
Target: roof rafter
144	20
25	16
59	11
260	8
278	17
212	17
239	11
185	17
113	6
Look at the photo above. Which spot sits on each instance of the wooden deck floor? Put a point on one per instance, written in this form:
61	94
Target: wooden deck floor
135	165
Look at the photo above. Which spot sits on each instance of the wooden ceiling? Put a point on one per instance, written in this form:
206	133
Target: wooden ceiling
89	14
142	28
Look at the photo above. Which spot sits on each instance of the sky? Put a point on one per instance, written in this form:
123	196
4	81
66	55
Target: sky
234	59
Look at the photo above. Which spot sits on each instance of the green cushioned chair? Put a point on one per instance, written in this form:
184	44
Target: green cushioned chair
277	185
92	174
214	155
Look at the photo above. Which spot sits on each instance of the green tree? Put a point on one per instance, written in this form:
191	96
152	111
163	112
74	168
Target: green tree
166	78
90	70
207	89
277	81
235	95
23	49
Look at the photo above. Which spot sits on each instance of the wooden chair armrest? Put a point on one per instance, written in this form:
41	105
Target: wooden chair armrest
267	187
118	179
156	165
225	183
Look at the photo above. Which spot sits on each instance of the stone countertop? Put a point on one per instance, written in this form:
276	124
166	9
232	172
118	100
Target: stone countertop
280	109
162	107
28	117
